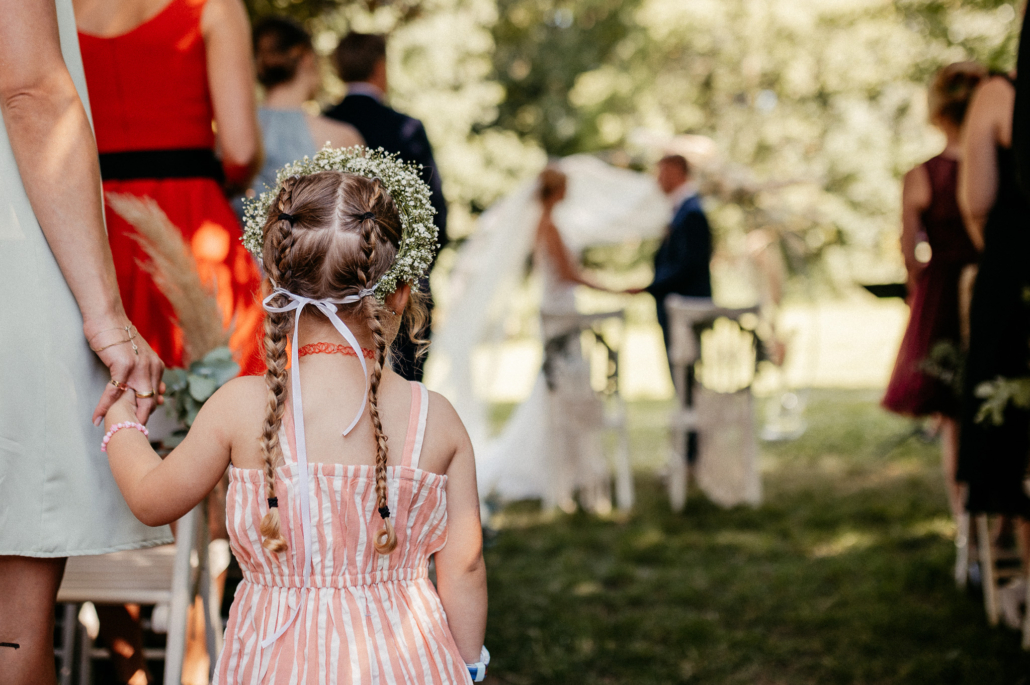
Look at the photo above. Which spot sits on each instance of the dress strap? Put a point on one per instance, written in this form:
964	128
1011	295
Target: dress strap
287	437
416	425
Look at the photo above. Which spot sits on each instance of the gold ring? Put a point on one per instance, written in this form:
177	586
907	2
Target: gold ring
145	395
118	384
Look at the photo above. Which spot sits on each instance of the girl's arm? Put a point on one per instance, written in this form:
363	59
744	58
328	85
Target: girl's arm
460	571
916	196
57	159
159	491
978	172
230	75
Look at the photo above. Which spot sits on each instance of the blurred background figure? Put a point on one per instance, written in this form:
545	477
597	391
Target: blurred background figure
936	248
550	448
993	458
162	76
682	263
289	70
551	257
361	63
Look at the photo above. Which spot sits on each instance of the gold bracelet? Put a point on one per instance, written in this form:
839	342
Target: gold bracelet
131	339
108	330
120	342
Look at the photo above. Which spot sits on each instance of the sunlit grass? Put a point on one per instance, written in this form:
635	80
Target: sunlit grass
842	576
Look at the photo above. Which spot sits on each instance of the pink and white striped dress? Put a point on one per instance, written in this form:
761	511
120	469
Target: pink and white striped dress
363	617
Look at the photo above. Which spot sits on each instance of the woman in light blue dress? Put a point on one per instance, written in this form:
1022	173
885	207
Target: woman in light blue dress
57	495
288	68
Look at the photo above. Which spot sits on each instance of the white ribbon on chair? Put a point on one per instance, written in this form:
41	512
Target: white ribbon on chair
327	307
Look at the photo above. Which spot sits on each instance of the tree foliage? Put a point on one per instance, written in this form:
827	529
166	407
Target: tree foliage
815	107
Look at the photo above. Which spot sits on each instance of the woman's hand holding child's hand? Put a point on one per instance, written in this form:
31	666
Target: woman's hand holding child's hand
126	407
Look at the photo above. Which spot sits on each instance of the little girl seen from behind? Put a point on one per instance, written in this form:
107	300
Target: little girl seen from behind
344	478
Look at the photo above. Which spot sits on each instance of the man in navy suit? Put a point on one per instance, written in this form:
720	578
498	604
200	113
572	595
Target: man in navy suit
681	264
361	63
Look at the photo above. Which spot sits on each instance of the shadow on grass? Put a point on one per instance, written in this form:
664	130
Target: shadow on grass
842	576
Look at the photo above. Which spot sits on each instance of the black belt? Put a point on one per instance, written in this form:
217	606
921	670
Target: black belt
156	164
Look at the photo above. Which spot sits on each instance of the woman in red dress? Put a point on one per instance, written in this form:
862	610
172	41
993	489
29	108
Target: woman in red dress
930	215
163	76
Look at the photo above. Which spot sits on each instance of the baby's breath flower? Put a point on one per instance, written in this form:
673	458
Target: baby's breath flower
402	181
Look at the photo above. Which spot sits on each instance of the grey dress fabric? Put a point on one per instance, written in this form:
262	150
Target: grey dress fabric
57	495
286	138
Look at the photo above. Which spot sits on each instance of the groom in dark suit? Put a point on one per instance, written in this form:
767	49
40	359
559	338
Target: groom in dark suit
681	264
361	63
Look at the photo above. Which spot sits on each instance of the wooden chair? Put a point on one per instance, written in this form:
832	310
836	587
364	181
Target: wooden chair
597	334
995	568
171	575
729	370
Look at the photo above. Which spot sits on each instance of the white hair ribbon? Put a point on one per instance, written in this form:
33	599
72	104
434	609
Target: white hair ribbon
328	307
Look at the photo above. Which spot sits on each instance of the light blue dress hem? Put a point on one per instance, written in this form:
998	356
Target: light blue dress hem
141	544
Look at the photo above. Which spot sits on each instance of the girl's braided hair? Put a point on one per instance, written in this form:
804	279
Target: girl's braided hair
330	235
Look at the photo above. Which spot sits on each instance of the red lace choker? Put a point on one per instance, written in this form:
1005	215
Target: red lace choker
330	348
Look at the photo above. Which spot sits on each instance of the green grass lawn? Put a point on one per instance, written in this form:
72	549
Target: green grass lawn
843	575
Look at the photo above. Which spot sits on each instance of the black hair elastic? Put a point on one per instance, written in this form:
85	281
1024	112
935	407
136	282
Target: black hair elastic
283	216
366	216
384	512
273	502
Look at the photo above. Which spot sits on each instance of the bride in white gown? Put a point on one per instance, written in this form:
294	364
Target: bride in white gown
557	430
550	448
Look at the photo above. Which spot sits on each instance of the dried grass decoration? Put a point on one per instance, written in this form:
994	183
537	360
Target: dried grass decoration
174	271
402	181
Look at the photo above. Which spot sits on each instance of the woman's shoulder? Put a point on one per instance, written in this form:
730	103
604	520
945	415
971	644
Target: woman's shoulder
997	89
336	133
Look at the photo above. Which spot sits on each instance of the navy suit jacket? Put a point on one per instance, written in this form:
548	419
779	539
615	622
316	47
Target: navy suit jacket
385	127
681	264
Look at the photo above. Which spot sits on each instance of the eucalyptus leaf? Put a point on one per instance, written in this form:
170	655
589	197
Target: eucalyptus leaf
202	387
218	355
175	379
191	408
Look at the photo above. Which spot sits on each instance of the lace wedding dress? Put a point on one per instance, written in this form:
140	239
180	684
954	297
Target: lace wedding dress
551	446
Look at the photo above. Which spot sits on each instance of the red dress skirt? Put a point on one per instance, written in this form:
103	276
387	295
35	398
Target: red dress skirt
153	115
914	389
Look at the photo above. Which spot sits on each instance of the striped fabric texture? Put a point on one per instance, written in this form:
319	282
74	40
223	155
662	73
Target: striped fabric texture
365	618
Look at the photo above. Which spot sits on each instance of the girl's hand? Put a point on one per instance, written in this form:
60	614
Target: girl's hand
126	407
135	371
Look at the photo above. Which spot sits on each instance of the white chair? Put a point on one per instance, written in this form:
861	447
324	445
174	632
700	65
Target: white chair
169	575
722	415
600	352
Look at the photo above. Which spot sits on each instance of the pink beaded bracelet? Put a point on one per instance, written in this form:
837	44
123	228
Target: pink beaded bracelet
117	427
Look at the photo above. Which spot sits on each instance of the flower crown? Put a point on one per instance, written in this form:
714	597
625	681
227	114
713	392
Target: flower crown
403	181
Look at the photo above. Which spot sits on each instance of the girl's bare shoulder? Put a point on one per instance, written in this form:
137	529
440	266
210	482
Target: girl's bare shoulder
239	403
445	435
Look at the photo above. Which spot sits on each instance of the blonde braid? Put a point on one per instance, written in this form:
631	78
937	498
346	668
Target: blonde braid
277	326
385	540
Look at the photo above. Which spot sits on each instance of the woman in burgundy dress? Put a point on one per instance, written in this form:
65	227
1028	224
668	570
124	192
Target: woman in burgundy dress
163	77
931	219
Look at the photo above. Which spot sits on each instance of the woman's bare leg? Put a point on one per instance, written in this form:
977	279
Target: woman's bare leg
27	619
949	461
